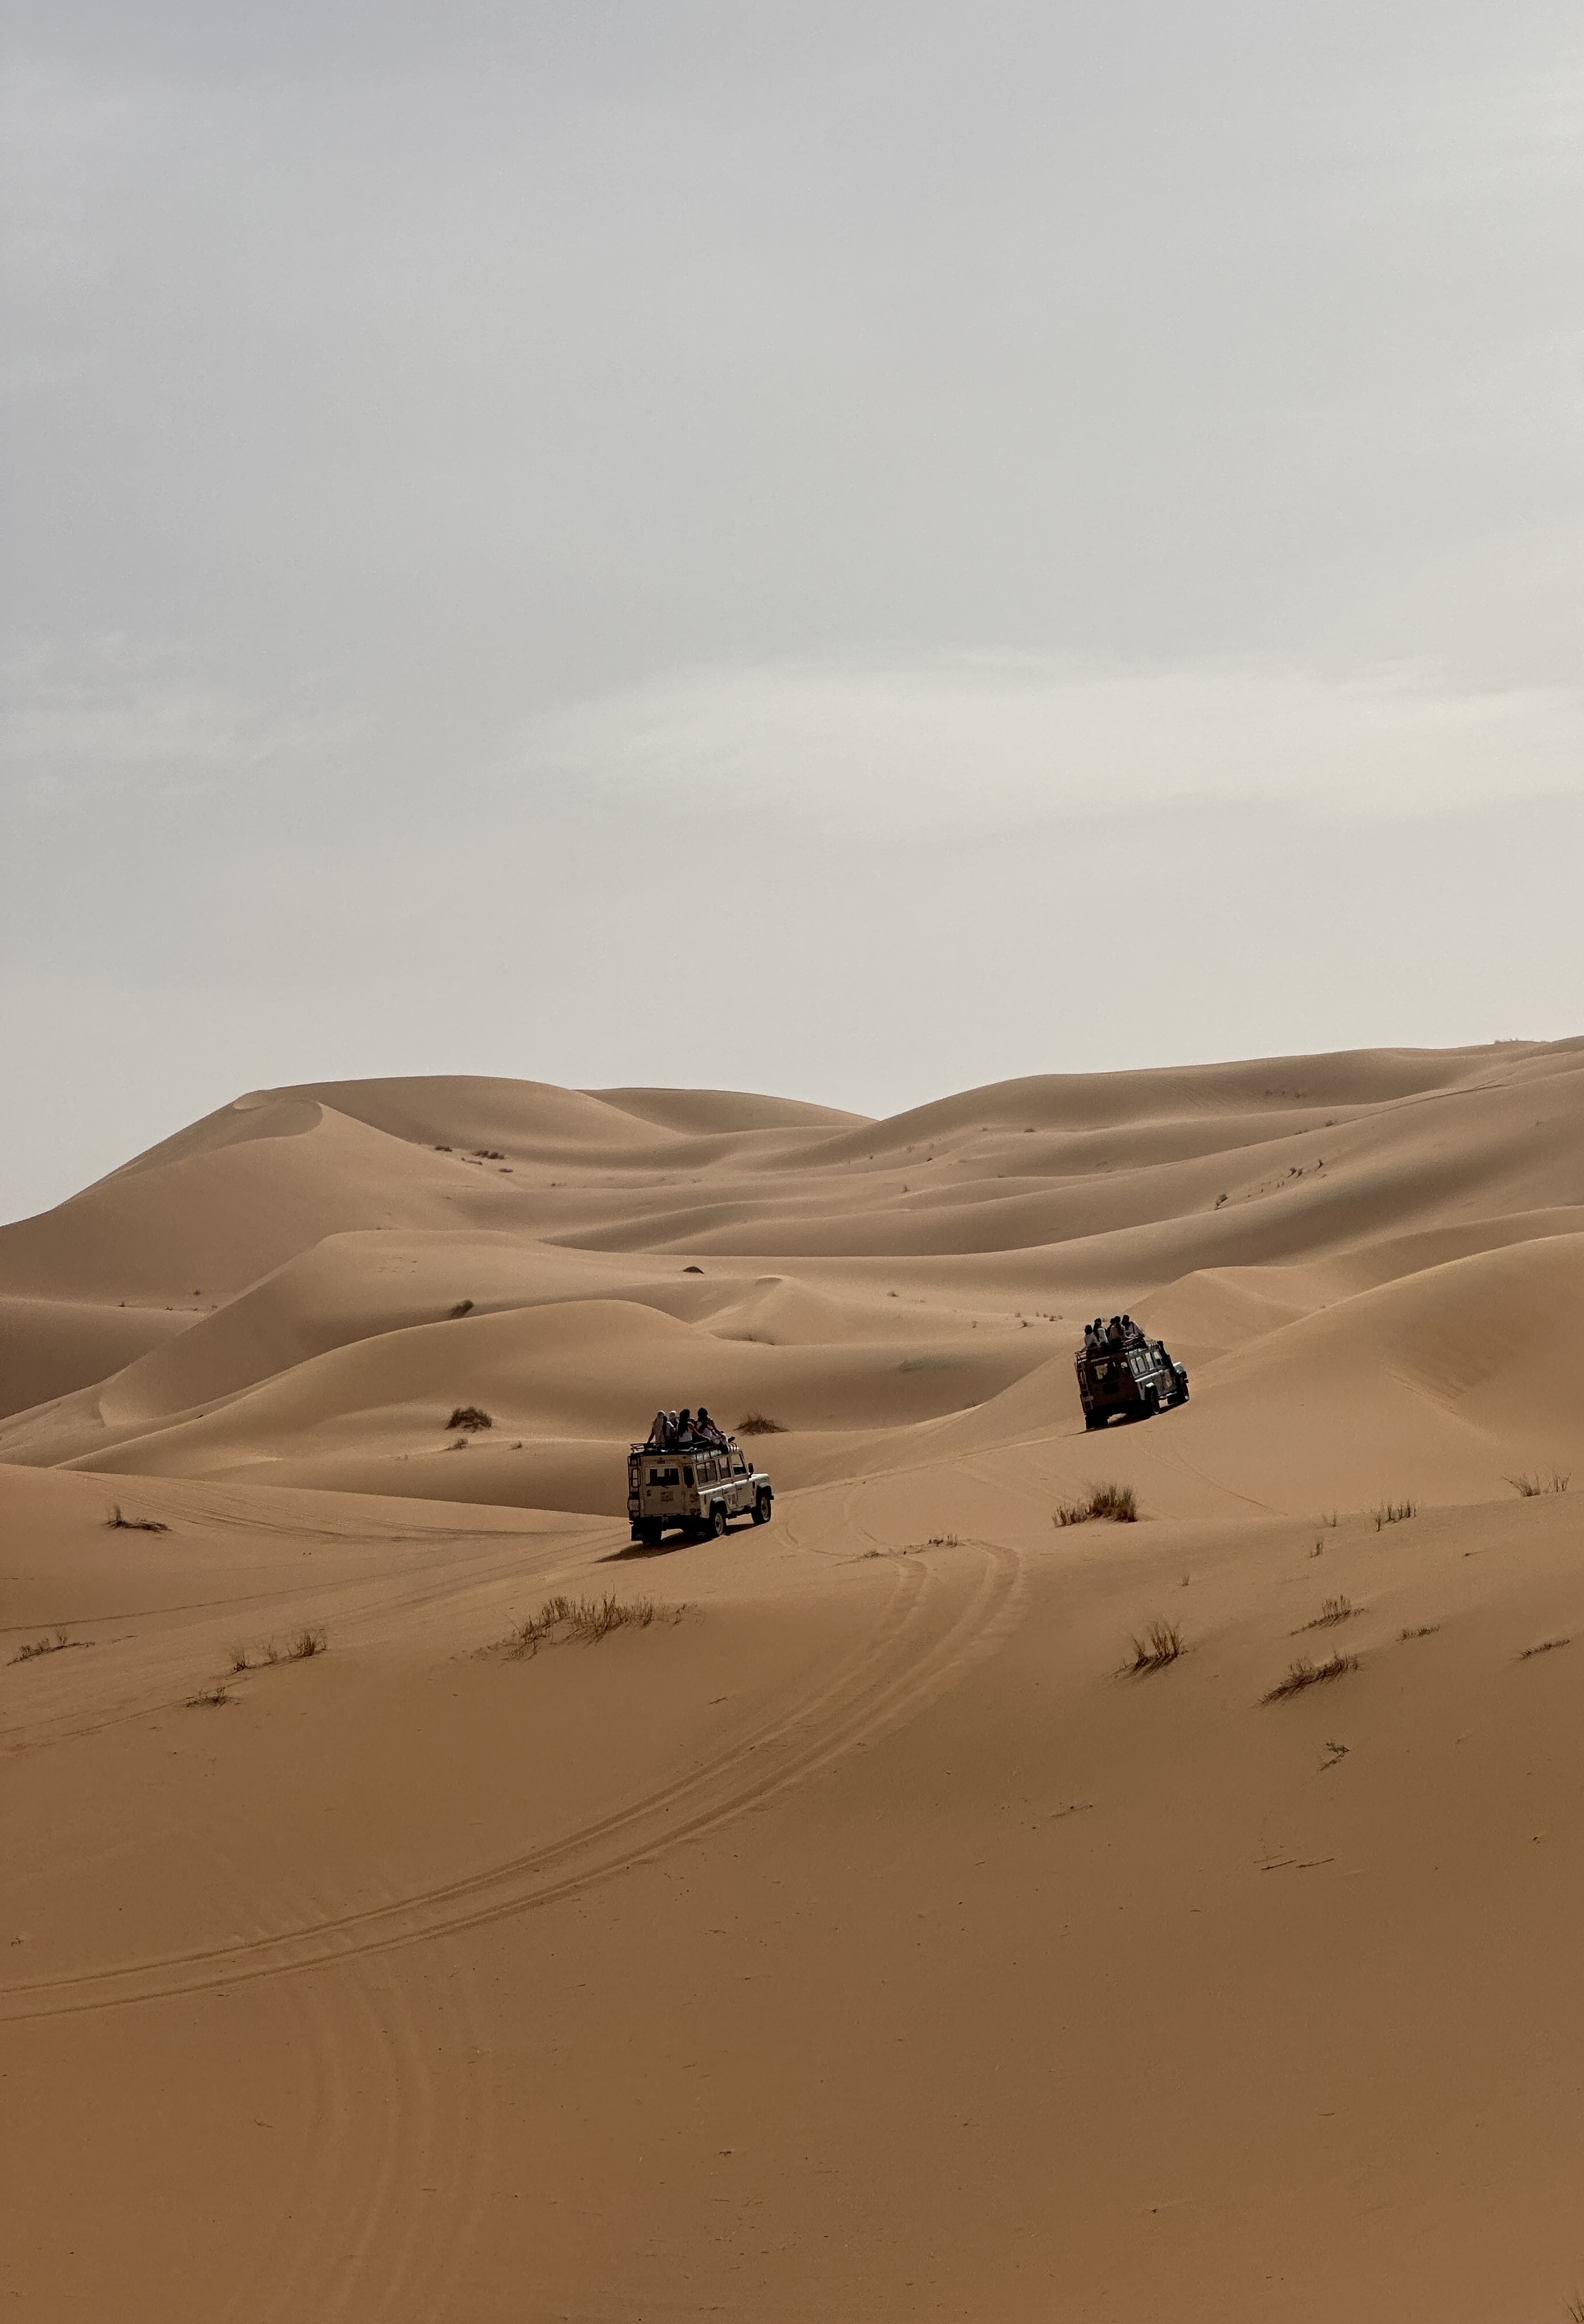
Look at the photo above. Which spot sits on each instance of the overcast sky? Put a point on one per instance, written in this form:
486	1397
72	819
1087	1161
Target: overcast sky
849	550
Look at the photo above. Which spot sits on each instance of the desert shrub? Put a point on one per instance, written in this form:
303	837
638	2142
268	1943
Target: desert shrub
306	1644
470	1415
755	1424
1425	1630
1531	1487
567	1621
208	1698
29	1651
1332	1610
119	1524
1117	1502
1546	1646
1392	1513
1161	1644
1305	1673
462	1308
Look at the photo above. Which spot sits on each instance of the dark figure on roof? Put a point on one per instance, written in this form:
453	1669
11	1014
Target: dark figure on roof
704	1430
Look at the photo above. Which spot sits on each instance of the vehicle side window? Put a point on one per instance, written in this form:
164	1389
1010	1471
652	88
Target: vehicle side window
686	1474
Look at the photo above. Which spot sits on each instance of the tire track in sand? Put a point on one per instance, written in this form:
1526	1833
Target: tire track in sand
908	1658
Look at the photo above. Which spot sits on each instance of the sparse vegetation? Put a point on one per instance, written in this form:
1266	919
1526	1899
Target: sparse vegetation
1304	1674
1332	1610
756	1424
462	1308
1546	1646
237	1657
941	1541
1392	1513
470	1415
306	1644
488	1154
120	1523
1425	1630
567	1621
1117	1502
1161	1644
1531	1487
29	1651
208	1698
1329	1517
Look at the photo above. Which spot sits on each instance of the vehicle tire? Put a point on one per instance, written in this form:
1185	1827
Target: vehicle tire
761	1508
1095	1419
718	1518
649	1533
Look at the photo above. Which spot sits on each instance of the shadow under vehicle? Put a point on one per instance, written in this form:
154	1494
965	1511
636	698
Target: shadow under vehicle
1136	1381
696	1488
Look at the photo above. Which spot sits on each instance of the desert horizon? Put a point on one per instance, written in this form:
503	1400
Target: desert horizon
1040	1871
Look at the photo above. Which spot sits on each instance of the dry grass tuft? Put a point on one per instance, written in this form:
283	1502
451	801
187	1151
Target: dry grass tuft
1392	1513
119	1524
1531	1487
1332	1610
470	1415
1305	1673
1425	1630
59	1645
1329	1517
208	1698
462	1308
567	1621
1546	1646
1117	1502
306	1644
1161	1644
754	1424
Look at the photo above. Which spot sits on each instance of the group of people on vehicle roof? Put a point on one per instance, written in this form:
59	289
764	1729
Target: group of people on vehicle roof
1104	1338
685	1432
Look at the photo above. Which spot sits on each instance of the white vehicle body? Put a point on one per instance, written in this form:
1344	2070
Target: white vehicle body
697	1488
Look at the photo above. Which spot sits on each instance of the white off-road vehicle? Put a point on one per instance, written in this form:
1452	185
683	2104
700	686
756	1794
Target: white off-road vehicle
696	1488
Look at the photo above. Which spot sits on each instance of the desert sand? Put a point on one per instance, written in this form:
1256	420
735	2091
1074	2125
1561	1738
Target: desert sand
863	1938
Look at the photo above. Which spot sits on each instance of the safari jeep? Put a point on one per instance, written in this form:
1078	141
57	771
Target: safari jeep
1136	1381
694	1487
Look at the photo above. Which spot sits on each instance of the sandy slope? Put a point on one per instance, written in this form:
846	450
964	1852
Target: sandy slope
862	1943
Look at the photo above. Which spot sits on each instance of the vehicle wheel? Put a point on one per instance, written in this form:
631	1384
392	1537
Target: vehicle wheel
718	1519
761	1508
1095	1419
649	1533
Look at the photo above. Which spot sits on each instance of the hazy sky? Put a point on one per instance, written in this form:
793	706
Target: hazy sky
851	550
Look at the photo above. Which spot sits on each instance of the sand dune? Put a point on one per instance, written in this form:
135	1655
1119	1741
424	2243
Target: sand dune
861	1942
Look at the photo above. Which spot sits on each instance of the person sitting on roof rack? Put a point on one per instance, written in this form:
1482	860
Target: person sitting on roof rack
705	1431
1132	1337
656	1433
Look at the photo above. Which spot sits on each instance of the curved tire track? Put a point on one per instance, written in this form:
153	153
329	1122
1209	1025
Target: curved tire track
887	1682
